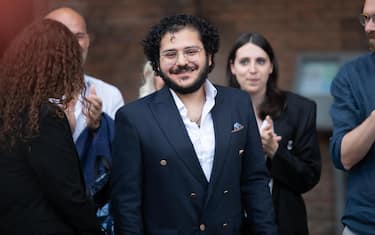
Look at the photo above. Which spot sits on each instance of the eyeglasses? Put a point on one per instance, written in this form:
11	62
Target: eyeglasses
81	35
365	18
191	54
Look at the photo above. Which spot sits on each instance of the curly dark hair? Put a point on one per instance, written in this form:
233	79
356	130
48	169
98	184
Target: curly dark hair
208	33
42	64
275	99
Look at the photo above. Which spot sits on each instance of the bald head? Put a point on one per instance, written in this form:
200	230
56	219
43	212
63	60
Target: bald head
75	23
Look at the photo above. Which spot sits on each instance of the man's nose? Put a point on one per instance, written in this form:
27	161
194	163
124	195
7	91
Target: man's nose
181	59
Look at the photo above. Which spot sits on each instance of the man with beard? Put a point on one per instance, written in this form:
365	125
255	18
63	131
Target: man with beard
352	144
188	159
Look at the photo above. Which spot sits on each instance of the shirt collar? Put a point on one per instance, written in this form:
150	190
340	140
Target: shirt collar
210	91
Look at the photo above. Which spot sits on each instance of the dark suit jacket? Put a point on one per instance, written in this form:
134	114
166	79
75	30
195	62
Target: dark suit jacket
95	154
159	187
42	185
296	166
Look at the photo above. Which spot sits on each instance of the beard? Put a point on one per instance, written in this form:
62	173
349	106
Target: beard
371	40
202	76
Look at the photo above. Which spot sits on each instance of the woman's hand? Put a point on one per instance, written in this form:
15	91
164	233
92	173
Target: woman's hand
270	140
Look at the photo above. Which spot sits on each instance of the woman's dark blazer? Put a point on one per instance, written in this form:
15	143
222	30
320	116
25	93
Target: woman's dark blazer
296	166
42	189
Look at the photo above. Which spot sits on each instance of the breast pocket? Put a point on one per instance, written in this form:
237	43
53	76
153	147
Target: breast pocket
238	139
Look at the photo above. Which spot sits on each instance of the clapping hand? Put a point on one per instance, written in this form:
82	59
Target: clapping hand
270	140
93	109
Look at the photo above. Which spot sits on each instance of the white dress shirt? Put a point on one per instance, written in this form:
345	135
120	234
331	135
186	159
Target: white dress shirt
202	136
111	100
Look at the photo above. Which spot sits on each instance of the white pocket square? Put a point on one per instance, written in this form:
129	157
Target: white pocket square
237	127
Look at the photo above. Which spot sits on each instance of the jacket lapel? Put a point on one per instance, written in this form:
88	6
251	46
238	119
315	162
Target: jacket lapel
172	125
221	117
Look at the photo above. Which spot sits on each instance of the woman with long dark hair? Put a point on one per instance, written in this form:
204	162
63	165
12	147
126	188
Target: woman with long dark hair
40	174
287	125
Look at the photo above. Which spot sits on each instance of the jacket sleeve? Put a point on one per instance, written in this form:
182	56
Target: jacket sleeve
54	160
126	177
299	167
345	114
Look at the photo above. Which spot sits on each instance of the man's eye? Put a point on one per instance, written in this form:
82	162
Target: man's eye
80	35
191	52
170	54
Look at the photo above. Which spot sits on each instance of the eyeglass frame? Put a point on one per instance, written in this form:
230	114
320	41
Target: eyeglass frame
364	18
185	53
81	35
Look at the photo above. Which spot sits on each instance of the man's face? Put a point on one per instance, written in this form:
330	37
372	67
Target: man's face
183	61
369	9
76	24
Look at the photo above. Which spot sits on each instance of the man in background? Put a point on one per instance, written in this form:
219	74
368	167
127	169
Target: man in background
352	144
101	96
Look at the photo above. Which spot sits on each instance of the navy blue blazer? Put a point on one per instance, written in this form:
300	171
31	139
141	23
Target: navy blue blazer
90	147
95	153
159	187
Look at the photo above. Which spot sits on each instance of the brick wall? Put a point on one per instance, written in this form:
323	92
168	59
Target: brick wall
117	29
14	15
293	27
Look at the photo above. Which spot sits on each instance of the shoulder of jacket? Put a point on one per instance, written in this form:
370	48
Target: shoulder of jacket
299	100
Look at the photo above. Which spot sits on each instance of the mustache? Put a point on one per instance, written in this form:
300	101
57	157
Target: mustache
183	68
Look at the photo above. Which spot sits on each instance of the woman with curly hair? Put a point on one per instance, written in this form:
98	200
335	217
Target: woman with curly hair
41	74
